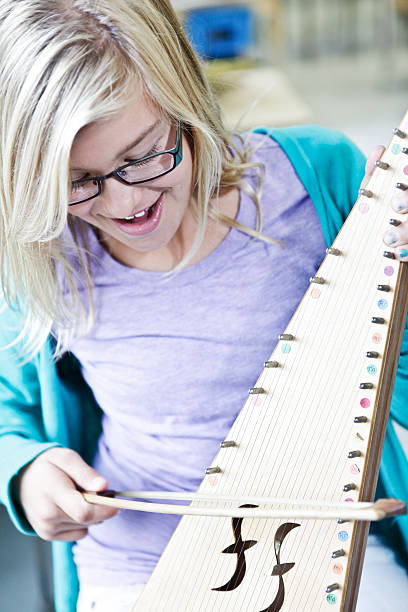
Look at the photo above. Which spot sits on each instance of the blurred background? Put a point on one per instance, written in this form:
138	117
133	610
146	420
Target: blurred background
279	62
341	64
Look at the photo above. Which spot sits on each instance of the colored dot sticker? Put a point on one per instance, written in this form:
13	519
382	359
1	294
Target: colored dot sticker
364	207
331	598
257	401
377	338
406	170
213	480
315	293
338	568
286	348
343	536
349	499
365	402
371	369
383	304
396	148
388	270
354	469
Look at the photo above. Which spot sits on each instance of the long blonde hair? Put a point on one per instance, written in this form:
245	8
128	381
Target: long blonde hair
64	64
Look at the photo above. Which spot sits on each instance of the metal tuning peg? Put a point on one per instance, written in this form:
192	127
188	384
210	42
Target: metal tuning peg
228	444
213	470
366	192
399	133
332	251
256	391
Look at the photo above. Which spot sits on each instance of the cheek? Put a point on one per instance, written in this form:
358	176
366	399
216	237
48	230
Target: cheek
81	210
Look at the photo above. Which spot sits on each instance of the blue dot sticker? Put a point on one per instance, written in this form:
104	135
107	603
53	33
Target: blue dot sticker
331	598
372	369
396	148
286	348
343	536
383	304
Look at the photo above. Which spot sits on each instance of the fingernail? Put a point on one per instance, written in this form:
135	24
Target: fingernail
98	483
399	206
403	253
390	238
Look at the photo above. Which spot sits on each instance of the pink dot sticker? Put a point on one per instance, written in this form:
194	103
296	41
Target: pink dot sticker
365	402
338	568
213	480
406	170
349	499
257	401
377	338
388	270
364	207
354	469
315	293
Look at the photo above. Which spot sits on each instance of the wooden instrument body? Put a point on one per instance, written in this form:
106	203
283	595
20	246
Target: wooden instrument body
294	439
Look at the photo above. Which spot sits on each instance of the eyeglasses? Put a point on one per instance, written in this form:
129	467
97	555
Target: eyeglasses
140	170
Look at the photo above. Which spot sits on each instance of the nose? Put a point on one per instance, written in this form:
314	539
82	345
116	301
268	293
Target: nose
118	199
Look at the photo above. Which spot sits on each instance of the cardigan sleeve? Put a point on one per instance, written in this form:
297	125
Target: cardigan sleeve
22	433
43	404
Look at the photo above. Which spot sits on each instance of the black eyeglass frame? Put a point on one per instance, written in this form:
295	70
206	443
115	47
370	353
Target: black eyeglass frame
176	152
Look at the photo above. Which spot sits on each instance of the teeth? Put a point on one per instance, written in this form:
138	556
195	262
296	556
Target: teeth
139	214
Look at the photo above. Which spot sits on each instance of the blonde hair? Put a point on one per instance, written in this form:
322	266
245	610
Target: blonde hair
63	65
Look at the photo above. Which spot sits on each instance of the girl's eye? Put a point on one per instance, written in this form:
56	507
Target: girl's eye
77	181
153	150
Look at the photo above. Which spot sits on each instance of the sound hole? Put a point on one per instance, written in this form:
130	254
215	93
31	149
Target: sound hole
240	546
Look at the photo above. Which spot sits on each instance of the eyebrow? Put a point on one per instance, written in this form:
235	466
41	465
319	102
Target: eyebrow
138	140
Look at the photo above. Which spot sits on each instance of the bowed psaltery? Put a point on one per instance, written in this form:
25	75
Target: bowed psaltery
282	514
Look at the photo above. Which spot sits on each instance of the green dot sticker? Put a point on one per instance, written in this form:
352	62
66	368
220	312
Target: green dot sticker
331	598
286	348
396	148
371	369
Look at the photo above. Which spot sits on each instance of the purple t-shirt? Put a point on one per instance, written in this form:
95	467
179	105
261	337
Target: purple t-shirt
170	360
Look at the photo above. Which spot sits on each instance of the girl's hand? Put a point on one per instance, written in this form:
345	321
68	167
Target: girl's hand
48	490
396	238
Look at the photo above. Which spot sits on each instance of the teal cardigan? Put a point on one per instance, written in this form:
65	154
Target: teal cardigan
44	404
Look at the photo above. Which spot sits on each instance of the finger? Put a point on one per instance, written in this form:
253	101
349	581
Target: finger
66	523
70	535
81	473
397	239
400	203
76	509
374	156
401	253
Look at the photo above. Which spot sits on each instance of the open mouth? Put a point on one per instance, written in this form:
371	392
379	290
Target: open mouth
142	216
143	222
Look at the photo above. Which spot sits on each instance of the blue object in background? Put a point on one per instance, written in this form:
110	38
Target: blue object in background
221	32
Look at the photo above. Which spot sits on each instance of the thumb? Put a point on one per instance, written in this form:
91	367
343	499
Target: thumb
78	470
375	155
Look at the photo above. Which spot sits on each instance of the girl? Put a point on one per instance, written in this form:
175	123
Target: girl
130	221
